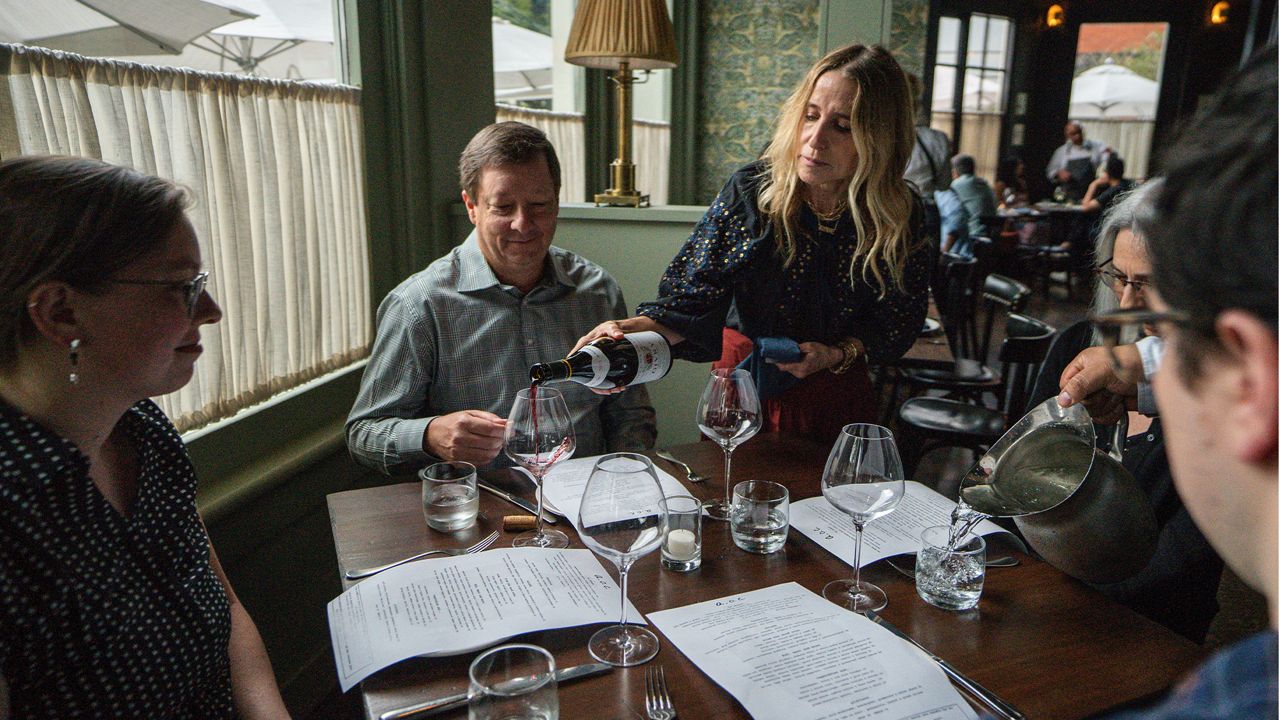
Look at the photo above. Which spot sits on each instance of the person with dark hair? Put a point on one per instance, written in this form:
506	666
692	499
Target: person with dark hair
1178	587
975	194
114	603
1216	378
818	247
1074	164
1106	188
455	341
1010	186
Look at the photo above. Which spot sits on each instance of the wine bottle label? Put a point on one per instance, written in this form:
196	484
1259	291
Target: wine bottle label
599	367
654	354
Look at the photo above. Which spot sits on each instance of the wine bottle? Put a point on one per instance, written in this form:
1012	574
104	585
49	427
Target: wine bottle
637	358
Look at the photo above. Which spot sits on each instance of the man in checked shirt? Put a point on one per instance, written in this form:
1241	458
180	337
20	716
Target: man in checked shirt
456	340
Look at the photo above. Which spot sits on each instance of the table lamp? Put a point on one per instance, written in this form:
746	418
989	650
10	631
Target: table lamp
622	35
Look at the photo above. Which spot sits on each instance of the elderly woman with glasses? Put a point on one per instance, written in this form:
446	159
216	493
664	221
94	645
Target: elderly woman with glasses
114	603
1178	587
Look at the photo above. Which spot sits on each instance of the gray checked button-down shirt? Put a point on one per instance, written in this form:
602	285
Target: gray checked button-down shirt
452	337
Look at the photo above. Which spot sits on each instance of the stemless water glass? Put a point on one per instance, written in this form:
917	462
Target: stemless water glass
728	413
864	479
539	434
513	681
621	518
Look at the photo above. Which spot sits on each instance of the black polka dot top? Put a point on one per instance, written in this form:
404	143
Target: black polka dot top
732	260
102	615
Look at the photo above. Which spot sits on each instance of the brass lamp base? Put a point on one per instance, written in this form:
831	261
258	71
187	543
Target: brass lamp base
630	198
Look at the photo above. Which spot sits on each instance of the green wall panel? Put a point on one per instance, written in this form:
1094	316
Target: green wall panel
909	33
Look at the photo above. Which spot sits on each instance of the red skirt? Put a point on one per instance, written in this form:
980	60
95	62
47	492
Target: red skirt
818	406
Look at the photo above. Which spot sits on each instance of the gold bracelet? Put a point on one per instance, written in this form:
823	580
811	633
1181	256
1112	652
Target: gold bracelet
849	347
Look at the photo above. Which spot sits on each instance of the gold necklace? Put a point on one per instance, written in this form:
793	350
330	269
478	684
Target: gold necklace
828	222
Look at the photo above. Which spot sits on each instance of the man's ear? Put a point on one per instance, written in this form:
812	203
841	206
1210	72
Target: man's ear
51	305
1251	345
471	206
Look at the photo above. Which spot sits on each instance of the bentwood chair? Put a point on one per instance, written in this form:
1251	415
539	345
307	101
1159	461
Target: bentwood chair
926	423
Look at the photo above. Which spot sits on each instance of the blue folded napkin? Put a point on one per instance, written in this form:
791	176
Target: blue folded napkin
770	381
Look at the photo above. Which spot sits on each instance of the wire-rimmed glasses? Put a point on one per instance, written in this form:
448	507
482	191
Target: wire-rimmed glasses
192	289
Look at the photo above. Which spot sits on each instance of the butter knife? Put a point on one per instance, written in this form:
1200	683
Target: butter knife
1002	708
450	702
516	500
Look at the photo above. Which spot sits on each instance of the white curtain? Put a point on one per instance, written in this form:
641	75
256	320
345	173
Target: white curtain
565	131
650	143
1130	138
276	171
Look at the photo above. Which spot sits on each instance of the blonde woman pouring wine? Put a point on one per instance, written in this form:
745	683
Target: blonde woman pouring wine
817	247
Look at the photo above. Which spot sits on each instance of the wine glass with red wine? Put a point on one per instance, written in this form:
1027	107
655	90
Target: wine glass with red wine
539	434
729	414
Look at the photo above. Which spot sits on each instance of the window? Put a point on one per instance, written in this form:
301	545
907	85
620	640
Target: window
276	172
533	84
970	84
1117	87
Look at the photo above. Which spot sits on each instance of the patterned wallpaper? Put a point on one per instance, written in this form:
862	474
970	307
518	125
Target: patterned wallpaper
908	32
753	54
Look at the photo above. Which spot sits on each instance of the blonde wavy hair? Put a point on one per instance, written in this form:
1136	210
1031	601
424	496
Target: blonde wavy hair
882	118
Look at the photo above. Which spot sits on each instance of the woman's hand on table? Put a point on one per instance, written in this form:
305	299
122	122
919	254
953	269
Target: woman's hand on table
817	357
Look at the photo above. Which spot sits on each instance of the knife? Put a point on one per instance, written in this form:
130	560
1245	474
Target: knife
450	702
516	500
1002	708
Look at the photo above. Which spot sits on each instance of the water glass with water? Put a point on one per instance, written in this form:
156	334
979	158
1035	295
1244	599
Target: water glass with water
682	534
449	495
950	578
513	681
760	516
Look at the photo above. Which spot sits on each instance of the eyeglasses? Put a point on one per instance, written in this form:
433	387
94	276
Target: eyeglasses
191	289
1117	281
1111	327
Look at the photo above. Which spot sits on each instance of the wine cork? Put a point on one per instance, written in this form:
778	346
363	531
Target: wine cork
518	522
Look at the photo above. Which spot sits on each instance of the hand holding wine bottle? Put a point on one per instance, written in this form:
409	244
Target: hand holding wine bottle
618	330
610	364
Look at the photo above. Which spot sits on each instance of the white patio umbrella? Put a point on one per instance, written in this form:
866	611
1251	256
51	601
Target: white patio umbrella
112	28
1113	91
521	62
290	39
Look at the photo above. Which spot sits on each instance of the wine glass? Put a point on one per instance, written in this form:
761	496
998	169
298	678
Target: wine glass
621	518
863	478
539	434
728	413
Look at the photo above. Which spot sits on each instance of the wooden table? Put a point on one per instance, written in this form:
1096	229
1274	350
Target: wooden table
1043	641
928	352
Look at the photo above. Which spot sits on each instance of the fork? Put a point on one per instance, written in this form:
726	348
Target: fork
657	701
688	471
483	544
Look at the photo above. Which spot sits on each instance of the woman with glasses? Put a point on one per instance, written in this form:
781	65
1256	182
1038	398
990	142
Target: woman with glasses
114	603
1178	587
814	249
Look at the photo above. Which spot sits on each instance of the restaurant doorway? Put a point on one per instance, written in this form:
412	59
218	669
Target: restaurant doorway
1116	87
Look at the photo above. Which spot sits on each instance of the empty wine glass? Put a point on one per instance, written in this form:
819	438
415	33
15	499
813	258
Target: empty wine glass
863	478
539	434
621	518
728	413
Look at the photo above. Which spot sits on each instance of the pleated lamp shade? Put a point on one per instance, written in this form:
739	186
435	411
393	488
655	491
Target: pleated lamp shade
606	32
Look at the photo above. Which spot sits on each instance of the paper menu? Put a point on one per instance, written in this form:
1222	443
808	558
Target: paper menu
567	481
783	651
893	534
453	605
